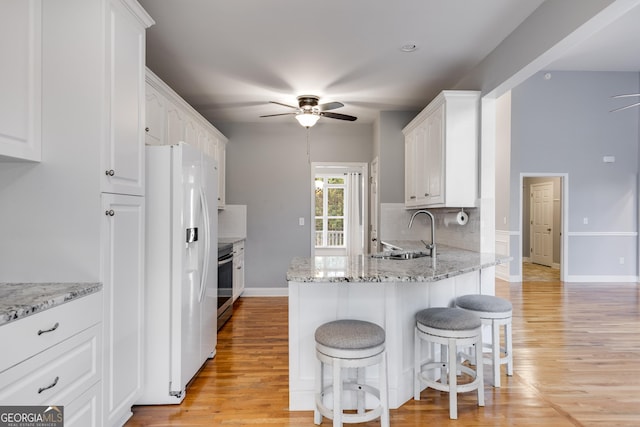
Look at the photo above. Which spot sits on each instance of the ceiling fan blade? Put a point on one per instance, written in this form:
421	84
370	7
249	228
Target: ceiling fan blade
338	116
330	106
626	95
624	108
281	114
284	105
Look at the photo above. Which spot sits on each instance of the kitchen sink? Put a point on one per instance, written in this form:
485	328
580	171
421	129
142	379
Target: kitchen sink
400	255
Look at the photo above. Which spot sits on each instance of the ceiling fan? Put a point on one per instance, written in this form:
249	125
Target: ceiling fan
628	95
308	111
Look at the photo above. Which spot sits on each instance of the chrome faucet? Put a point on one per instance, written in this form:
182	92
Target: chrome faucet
432	246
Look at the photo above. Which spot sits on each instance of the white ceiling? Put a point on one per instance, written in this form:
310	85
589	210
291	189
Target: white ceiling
229	58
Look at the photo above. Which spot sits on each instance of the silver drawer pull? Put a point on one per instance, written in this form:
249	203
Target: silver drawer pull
40	332
52	385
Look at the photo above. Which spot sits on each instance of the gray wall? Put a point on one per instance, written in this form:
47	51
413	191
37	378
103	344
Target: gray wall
526	215
390	142
563	125
268	170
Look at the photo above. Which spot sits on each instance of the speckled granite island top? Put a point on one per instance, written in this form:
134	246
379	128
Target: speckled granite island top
18	300
365	268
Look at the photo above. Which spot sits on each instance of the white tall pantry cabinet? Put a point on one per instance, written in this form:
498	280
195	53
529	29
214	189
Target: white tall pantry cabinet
75	213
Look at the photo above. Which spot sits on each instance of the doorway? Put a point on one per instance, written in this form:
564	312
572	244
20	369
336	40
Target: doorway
543	209
339	206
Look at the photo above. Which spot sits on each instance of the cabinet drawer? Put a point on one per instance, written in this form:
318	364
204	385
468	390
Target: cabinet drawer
56	376
26	337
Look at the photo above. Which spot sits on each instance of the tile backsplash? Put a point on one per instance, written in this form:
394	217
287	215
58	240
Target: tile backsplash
394	225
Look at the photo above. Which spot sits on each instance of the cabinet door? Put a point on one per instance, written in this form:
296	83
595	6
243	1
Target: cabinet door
20	79
435	152
155	124
123	148
410	169
175	124
191	132
238	269
421	172
123	281
221	157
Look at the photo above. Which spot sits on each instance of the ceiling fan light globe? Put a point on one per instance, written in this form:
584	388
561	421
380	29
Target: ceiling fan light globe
307	119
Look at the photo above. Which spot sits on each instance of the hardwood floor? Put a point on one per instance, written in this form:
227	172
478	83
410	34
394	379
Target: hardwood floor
576	356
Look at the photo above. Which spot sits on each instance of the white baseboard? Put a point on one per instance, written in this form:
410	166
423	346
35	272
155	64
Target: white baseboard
601	279
266	292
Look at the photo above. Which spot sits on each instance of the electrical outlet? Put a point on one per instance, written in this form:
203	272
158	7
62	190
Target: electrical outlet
621	260
585	220
301	221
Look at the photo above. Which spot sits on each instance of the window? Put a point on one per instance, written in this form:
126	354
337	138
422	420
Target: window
330	193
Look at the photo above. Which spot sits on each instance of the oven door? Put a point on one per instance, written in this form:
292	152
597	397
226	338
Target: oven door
225	288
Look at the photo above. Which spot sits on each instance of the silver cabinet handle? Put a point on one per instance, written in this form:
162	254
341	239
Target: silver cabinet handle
110	212
53	384
53	328
110	172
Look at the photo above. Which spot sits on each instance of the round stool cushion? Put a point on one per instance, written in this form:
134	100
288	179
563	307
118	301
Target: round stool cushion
349	334
484	303
448	319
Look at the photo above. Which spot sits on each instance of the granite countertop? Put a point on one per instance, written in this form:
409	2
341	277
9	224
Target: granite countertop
230	240
18	300
449	262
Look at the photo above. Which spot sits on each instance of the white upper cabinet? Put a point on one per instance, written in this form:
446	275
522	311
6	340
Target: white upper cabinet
169	120
123	148
20	79
155	129
441	152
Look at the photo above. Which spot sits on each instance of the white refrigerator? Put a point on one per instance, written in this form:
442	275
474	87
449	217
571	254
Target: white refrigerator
181	269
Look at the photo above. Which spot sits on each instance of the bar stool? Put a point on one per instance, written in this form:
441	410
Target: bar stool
356	344
495	312
451	328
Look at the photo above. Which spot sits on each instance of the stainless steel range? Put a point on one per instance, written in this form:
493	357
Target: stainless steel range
225	283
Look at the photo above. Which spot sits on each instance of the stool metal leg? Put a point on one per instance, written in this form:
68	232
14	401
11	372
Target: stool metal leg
509	348
337	394
417	356
384	392
317	416
360	395
453	381
495	352
480	371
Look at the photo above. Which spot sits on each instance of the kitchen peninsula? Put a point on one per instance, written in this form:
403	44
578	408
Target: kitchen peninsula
387	292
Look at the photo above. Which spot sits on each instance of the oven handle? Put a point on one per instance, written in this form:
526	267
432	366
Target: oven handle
225	260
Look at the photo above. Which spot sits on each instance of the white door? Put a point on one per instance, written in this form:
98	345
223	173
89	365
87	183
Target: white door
373	227
542	223
123	285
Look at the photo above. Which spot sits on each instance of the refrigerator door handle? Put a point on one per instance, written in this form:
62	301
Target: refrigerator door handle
207	244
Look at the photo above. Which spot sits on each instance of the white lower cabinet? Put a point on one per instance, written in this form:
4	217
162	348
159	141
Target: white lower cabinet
123	281
62	364
238	269
86	410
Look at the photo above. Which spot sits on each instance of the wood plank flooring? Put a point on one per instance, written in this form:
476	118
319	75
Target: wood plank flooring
576	355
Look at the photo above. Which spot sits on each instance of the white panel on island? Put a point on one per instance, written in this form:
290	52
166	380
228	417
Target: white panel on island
383	291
